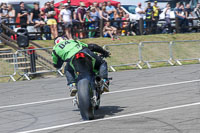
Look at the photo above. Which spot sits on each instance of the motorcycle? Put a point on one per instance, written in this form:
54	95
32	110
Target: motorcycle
89	85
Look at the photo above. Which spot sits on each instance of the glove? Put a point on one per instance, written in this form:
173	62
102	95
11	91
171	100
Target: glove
106	54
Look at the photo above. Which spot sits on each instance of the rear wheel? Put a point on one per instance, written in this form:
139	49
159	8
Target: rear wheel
84	99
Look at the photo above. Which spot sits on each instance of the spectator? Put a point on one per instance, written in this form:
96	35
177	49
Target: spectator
105	3
110	10
188	13
103	14
118	15
129	26
75	18
95	5
63	6
72	9
42	13
110	31
4	13
57	17
94	16
11	15
46	28
75	22
52	3
197	11
50	13
139	11
100	6
149	17
156	11
91	26
80	14
177	9
66	18
180	14
36	17
167	11
57	11
23	15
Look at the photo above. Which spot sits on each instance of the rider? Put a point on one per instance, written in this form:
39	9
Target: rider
65	49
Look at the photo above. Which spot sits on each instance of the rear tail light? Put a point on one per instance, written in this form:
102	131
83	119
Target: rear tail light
80	55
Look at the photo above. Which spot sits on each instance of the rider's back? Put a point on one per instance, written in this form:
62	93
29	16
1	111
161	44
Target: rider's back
66	49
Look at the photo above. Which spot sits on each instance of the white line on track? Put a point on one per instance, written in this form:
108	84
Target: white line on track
110	118
39	102
112	92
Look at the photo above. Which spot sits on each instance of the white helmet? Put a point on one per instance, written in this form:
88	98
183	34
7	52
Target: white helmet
59	39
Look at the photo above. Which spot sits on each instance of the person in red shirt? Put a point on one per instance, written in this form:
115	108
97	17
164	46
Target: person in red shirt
57	11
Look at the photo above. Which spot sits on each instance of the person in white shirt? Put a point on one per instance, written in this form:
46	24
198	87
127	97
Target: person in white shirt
166	12
139	12
66	18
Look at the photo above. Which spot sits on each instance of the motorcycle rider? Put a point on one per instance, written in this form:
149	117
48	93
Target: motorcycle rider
65	49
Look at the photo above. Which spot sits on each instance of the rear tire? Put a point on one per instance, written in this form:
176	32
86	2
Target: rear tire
84	97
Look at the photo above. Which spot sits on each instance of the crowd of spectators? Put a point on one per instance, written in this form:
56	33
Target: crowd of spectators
81	18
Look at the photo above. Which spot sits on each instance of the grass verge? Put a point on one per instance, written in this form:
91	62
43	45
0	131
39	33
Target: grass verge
129	54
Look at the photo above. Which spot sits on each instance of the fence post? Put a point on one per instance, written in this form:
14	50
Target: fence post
141	26
140	51
3	29
177	25
171	50
101	27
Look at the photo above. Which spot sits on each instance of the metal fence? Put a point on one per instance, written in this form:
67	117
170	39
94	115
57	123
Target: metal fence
154	52
7	65
186	51
133	55
29	62
130	58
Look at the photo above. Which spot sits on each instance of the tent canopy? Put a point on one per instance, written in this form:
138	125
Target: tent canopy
87	2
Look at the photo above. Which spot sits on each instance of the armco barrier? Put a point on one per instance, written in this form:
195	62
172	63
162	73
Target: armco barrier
134	55
154	52
129	56
7	65
186	50
30	62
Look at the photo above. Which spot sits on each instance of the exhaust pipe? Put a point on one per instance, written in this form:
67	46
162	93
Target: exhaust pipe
98	79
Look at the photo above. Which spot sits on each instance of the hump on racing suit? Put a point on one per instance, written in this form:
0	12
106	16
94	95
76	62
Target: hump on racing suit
65	49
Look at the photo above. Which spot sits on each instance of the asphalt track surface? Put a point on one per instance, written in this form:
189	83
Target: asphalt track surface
159	100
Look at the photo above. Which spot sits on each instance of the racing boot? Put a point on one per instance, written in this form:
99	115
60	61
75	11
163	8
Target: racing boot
73	89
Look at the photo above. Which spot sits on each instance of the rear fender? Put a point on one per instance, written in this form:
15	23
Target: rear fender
83	65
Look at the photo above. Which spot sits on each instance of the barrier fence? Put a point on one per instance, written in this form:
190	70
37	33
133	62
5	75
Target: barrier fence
7	65
130	59
153	52
186	50
29	61
139	27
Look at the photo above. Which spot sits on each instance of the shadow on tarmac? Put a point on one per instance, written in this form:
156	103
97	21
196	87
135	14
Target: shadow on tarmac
107	111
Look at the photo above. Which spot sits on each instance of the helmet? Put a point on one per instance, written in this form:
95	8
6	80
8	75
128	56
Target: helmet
59	39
